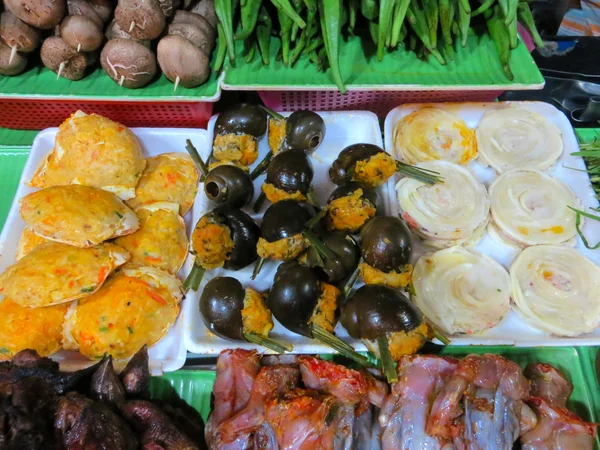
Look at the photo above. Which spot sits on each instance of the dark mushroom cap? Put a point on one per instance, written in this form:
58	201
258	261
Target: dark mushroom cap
291	171
342	169
229	185
304	130
221	305
294	295
244	234
374	310
347	255
284	219
346	189
386	243
243	118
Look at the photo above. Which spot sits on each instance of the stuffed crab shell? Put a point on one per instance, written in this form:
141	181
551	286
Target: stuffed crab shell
431	134
77	215
54	273
169	177
445	214
136	307
93	151
460	290
161	240
556	289
514	137
27	242
532	207
21	328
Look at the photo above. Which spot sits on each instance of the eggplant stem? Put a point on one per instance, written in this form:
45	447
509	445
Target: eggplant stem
194	279
259	202
329	339
316	219
257	268
323	251
424	175
351	281
387	363
267	342
272	113
261	166
312	199
200	164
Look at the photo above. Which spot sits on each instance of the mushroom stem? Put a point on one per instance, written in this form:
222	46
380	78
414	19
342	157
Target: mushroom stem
330	340
257	268
262	166
259	202
351	281
387	363
424	175
323	251
267	342
194	279
78	48
132	26
121	80
316	219
270	112
13	52
177	80
60	69
200	164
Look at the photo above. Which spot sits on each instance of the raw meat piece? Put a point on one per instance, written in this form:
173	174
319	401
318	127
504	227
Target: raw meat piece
558	429
548	383
236	371
404	414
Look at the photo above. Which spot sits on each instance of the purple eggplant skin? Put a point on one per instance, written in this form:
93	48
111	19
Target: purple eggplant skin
347	256
136	375
284	219
229	185
386	243
291	171
342	169
304	130
375	310
243	118
294	295
221	305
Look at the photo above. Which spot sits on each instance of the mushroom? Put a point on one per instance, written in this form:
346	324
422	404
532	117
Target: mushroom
142	19
104	8
206	8
44	14
18	35
128	62
195	29
81	33
63	60
11	63
169	6
182	62
83	8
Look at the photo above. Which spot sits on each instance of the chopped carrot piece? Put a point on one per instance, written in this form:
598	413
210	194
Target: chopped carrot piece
157	298
102	274
153	259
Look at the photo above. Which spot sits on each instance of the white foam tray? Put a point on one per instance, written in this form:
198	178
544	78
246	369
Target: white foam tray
513	330
343	129
169	353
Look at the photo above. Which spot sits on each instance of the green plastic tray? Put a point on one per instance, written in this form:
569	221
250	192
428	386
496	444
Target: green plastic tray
577	363
12	161
39	82
476	67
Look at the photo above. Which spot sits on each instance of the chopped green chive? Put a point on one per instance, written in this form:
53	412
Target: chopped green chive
119	214
103	329
130	330
88	289
4	350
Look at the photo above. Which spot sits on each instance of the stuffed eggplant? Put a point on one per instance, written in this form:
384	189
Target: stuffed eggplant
346	255
232	312
387	322
289	177
302	130
224	237
386	249
350	206
236	131
305	305
371	166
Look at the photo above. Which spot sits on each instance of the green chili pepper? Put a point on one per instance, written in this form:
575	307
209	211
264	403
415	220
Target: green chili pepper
298	48
464	21
527	19
398	25
417	21
286	28
503	7
329	16
251	52
369	9
465	5
315	44
263	35
432	14
386	10
512	34
352	12
499	34
513	5
221	49
223	8
374	32
483	8
287	9
446	21
248	18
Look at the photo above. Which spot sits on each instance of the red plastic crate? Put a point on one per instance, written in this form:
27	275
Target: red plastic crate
31	114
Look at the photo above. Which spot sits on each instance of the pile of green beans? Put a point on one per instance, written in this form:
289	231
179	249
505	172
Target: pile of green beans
314	28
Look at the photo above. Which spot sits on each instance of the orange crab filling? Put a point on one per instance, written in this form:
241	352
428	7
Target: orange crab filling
324	313
235	147
275	194
276	134
402	343
349	213
393	279
375	171
211	244
256	316
227	162
283	249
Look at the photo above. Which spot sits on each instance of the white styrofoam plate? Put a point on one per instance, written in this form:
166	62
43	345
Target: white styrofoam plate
169	353
342	129
513	330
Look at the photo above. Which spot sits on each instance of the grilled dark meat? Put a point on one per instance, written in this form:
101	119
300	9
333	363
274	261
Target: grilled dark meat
136	374
187	419
106	386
